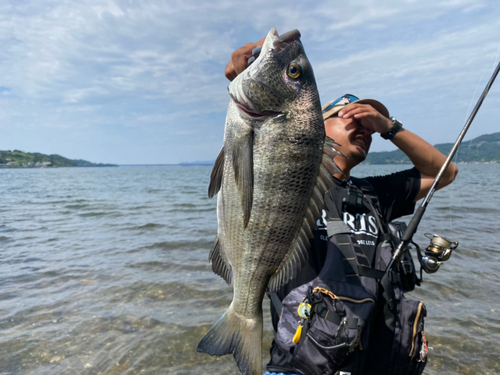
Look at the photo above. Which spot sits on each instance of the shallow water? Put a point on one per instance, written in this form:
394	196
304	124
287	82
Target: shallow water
104	271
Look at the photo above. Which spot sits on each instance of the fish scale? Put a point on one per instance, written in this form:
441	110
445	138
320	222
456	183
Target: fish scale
270	183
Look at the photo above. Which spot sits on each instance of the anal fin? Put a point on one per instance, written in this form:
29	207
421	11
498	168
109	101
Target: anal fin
219	264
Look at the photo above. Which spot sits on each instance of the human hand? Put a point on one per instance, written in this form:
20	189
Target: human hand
367	116
239	59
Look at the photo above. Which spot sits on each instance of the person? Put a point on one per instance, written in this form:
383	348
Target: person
352	123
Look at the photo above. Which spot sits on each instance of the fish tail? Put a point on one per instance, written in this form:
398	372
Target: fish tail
238	335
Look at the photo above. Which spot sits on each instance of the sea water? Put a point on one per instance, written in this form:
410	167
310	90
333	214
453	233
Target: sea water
105	271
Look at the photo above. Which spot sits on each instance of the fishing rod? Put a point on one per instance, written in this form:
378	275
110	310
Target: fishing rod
415	220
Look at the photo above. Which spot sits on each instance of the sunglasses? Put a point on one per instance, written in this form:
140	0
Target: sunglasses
350	98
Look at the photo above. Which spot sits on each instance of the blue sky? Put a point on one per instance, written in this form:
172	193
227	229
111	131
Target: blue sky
133	82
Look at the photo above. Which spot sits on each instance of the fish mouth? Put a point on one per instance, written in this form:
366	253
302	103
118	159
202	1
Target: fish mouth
254	114
248	109
280	42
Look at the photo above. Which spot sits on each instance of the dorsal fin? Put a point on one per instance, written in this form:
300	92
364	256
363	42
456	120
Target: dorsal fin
329	146
331	166
329	153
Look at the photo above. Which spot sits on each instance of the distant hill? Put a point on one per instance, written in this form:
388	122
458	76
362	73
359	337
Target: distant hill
16	158
485	148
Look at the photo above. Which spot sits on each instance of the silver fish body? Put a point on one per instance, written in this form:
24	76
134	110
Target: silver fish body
270	183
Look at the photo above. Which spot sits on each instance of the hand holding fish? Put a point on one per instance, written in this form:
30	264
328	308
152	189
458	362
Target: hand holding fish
239	59
367	116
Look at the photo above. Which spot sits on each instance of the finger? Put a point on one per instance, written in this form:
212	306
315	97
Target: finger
256	51
366	119
348	112
374	121
347	109
229	72
240	58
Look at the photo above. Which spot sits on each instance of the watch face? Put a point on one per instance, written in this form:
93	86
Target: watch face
396	121
396	127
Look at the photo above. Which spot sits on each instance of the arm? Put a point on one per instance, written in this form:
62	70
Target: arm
425	157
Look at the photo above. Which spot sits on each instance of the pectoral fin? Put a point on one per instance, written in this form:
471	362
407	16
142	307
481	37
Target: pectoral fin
216	175
243	172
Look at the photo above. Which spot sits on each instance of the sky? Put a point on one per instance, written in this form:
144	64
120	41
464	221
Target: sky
142	82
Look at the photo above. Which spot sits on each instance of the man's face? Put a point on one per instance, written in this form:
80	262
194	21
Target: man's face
354	139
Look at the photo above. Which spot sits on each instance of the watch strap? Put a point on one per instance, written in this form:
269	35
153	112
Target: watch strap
396	127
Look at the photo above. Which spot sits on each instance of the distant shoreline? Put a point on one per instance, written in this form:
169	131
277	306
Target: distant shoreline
56	166
208	165
168	165
211	165
21	159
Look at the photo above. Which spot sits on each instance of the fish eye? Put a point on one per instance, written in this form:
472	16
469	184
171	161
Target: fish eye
294	70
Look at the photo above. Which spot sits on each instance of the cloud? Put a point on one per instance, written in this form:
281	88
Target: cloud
153	71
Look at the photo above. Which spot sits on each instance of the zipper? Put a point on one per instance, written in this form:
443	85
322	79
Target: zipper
334	296
415	324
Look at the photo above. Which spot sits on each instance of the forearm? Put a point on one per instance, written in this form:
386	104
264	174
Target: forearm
426	158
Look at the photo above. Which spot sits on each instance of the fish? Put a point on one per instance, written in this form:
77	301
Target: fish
270	178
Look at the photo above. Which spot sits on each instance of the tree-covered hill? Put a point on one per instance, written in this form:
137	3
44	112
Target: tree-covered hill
485	148
18	158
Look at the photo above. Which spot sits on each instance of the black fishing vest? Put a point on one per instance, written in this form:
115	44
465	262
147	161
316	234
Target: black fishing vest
351	319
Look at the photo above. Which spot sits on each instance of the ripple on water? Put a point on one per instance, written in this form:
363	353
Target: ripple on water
148	226
183	245
127	288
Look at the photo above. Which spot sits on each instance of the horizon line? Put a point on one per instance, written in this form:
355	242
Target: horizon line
165	164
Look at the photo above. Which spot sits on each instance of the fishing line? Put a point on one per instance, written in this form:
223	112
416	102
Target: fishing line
470	142
467	114
450	211
472	100
417	217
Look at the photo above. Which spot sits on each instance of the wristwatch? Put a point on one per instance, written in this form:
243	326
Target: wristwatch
396	127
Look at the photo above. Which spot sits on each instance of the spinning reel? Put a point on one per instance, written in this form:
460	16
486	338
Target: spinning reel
438	251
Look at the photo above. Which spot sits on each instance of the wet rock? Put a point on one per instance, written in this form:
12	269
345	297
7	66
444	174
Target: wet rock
56	359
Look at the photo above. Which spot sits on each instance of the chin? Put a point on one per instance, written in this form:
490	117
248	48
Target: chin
359	156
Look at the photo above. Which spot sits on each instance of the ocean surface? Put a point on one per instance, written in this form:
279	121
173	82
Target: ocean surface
105	271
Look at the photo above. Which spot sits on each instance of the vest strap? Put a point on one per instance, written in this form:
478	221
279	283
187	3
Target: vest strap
276	302
388	293
336	226
346	248
370	272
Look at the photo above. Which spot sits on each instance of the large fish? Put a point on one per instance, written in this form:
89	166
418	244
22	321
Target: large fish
270	176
